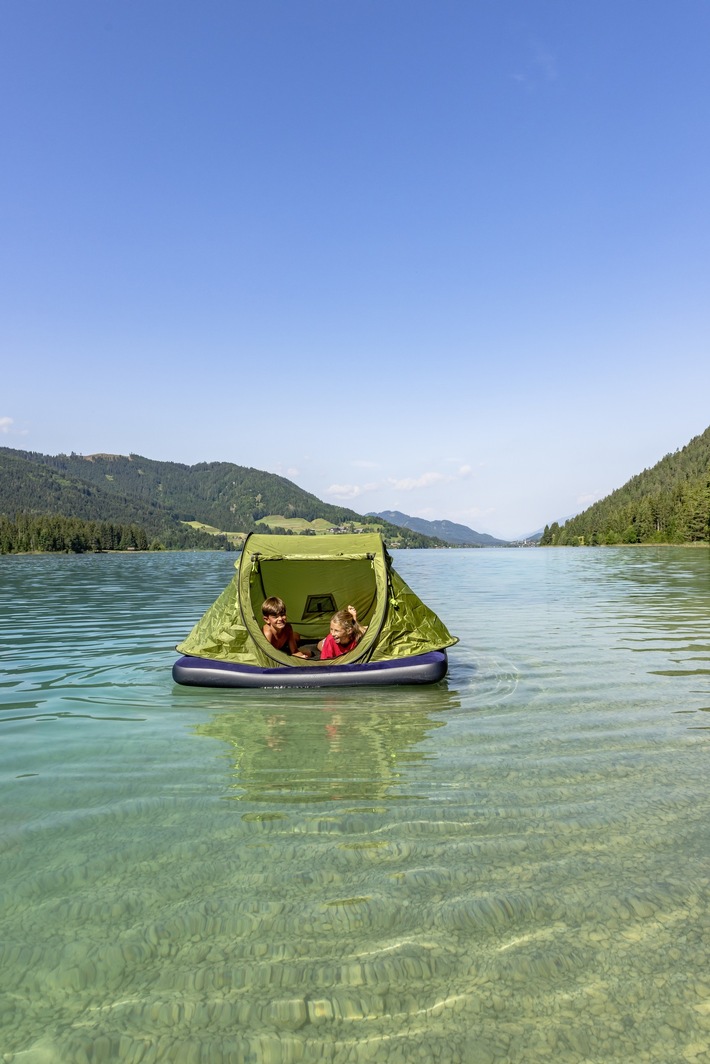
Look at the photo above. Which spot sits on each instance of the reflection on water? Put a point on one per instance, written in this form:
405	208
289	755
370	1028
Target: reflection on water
511	866
343	749
672	608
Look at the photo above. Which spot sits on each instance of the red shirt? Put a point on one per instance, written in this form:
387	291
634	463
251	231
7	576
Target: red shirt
331	649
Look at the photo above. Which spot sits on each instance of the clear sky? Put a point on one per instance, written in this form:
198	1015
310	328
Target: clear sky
450	257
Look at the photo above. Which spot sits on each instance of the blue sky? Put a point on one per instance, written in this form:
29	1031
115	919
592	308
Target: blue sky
451	257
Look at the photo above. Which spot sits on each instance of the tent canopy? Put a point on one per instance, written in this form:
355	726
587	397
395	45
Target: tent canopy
315	576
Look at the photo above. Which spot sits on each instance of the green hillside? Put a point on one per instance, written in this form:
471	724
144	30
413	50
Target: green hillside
669	503
30	492
222	494
170	501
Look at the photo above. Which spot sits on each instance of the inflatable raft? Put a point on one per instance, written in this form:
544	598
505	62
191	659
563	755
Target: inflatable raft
420	668
405	642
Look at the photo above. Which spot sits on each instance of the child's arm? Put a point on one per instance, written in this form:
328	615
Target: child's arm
360	630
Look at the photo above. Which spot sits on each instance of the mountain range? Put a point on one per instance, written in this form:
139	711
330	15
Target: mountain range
165	498
215	503
449	531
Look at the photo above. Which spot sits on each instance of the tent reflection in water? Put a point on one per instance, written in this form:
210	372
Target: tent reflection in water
405	641
345	745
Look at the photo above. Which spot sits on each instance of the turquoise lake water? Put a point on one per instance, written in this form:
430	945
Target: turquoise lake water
510	866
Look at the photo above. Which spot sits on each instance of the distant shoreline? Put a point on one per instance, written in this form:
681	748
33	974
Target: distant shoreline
698	545
630	546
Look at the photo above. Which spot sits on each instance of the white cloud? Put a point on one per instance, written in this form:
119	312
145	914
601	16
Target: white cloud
6	424
344	491
425	480
412	483
290	472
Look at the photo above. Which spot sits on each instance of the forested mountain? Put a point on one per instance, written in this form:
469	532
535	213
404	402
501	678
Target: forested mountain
669	503
30	491
159	497
449	531
228	496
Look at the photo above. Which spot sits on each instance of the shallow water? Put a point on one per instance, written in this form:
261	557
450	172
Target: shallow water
512	865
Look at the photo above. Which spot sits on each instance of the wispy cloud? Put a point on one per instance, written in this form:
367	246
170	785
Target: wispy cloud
8	427
290	472
423	481
391	484
349	491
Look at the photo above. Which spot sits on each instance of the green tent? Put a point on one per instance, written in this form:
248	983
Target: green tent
315	576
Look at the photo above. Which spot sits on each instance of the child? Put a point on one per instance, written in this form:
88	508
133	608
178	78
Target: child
277	629
345	634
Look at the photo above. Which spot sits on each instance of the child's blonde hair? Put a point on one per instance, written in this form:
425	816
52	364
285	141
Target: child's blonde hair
352	628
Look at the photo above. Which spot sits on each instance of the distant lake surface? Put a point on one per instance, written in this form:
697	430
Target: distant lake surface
510	866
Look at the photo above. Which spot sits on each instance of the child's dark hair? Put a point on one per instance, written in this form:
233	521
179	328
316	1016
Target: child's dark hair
273	607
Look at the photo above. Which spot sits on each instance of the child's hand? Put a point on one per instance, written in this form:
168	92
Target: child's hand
353	612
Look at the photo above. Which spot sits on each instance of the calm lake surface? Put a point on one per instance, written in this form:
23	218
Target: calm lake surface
510	866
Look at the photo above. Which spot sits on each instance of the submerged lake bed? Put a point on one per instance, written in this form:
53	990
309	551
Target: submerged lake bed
511	865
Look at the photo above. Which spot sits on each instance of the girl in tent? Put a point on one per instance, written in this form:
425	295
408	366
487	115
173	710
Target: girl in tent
345	634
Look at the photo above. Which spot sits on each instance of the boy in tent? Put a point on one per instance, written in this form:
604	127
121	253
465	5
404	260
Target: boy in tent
277	629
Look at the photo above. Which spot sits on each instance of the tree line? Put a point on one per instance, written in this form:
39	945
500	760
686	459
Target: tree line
28	533
669	503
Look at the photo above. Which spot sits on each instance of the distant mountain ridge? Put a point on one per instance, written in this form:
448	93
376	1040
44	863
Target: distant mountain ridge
161	497
449	531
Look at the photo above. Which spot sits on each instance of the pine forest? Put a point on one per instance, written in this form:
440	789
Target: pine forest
669	503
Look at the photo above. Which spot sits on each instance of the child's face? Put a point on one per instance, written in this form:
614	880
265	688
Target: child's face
339	634
275	621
